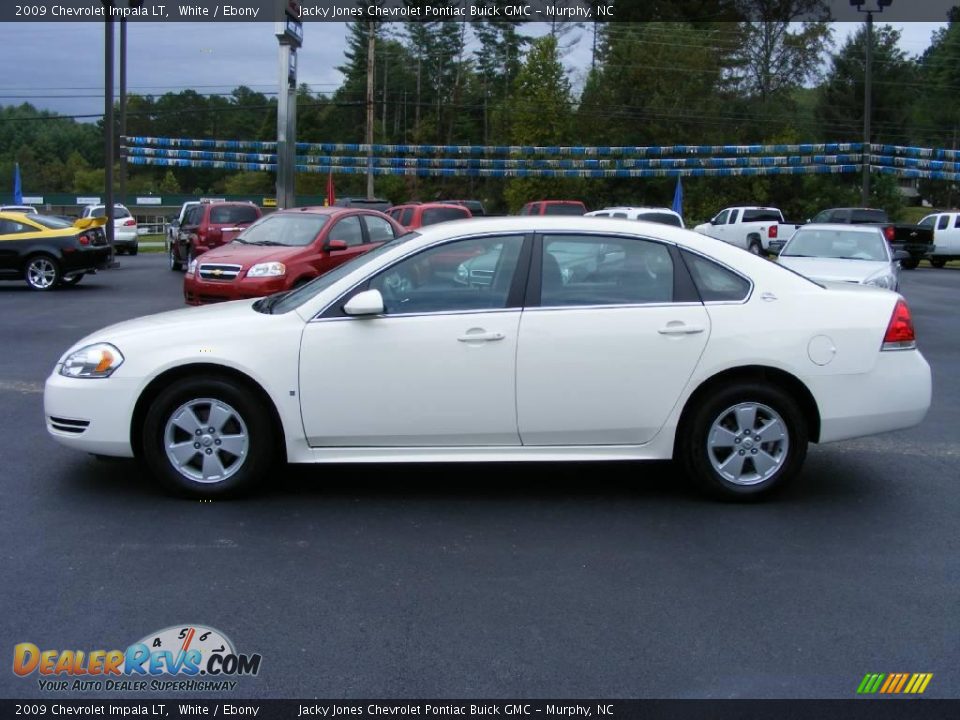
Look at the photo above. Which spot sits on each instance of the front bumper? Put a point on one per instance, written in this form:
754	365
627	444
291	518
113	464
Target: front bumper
894	395
91	415
197	291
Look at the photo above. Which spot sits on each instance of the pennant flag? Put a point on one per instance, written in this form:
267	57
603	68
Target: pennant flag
17	190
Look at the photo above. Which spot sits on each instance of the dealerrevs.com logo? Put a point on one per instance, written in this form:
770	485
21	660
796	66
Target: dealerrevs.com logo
183	657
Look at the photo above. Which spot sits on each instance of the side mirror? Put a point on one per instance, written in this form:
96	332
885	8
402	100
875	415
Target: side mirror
369	302
899	255
334	245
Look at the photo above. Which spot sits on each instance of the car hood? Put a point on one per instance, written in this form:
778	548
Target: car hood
247	255
832	269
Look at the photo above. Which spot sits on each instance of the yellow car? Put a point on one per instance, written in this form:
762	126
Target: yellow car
50	252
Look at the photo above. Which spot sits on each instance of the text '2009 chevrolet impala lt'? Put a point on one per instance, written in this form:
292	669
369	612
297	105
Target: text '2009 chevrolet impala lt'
509	339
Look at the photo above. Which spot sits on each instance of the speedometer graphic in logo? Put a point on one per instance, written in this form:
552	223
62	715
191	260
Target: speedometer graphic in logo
180	649
189	637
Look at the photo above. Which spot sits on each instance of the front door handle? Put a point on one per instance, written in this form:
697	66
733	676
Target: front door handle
679	328
480	335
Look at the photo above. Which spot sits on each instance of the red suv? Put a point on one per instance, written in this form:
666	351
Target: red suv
210	225
417	215
283	250
554	207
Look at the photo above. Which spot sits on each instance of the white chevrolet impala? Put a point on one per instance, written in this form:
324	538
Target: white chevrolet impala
532	338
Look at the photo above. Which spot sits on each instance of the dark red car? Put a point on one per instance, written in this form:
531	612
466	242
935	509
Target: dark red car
417	215
210	225
554	207
283	250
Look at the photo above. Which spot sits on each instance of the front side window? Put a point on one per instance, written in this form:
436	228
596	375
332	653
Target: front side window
714	282
407	216
378	229
733	217
472	274
721	219
348	229
598	270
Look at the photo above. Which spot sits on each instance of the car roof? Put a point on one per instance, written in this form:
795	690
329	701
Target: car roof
636	208
841	226
15	215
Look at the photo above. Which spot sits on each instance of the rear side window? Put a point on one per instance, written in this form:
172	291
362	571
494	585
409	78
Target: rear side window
868	216
378	229
733	217
620	215
432	216
944	222
407	216
227	214
714	282
661	218
956	222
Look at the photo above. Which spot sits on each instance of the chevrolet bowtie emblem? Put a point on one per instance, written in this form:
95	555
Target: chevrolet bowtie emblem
217	273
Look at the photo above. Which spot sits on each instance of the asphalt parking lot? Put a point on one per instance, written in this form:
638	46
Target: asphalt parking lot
547	581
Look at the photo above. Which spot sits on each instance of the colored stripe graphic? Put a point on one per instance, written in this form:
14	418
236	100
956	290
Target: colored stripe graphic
894	683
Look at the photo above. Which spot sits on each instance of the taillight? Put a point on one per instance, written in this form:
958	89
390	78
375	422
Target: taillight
129	222
772	231
900	334
888	233
84	239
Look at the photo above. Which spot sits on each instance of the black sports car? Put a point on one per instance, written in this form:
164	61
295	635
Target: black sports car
48	251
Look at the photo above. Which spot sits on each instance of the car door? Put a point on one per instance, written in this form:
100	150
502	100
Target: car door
349	231
604	357
11	251
437	368
718	226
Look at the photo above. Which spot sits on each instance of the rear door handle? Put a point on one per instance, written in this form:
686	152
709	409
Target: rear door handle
480	336
681	329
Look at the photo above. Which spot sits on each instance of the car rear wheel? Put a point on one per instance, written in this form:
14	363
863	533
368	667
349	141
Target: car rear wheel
755	247
42	272
175	264
938	262
909	264
208	437
133	250
745	441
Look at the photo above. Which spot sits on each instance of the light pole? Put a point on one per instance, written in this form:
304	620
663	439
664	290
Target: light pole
289	32
867	93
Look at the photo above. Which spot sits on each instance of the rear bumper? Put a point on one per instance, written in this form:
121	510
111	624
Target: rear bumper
894	395
85	259
203	292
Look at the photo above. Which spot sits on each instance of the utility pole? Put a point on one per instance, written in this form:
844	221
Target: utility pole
867	99
867	93
108	120
289	32
371	43
123	105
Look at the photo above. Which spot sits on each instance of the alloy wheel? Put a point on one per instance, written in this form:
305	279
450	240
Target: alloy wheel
747	443
206	440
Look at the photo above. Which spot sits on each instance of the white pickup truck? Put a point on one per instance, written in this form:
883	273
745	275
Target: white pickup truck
749	227
946	237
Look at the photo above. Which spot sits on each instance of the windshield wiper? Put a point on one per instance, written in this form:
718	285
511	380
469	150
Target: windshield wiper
266	304
240	240
265	242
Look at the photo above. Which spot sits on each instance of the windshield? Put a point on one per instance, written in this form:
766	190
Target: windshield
51	222
287	302
118	212
293	230
837	244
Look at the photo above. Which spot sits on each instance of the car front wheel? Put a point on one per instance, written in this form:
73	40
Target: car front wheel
42	272
744	441
208	437
938	262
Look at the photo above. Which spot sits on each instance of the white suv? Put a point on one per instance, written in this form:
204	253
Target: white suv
664	216
124	226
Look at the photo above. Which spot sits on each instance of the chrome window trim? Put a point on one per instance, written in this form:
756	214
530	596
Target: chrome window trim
410	315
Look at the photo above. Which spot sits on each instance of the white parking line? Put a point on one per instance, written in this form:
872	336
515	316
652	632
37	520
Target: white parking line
21	386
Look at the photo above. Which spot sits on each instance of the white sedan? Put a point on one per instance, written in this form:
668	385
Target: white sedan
587	339
844	253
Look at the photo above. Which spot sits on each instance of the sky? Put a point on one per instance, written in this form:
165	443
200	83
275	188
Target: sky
59	66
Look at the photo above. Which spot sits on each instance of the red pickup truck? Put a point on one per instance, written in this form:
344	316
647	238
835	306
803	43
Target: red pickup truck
210	225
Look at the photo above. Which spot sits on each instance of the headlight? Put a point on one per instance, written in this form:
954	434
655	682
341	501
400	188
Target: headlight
883	279
192	267
92	361
270	269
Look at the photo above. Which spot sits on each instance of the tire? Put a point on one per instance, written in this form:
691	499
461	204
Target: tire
713	437
42	272
938	262
71	281
755	248
204	466
134	250
175	264
910	264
